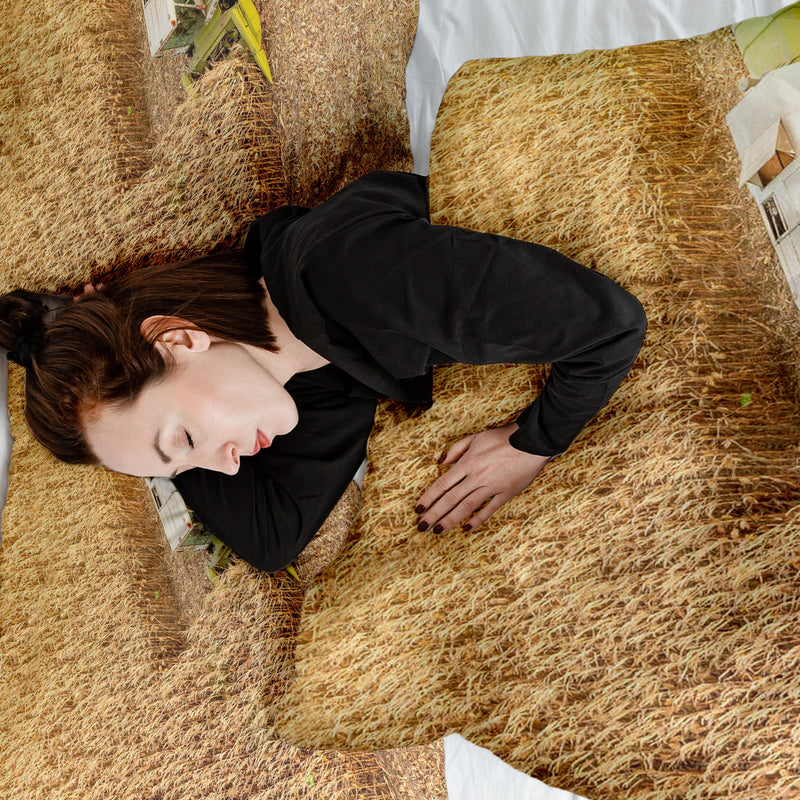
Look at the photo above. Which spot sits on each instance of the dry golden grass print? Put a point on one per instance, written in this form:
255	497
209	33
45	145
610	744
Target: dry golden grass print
110	687
626	628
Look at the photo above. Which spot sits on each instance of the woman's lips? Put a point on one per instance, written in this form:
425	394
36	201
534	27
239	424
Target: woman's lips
262	440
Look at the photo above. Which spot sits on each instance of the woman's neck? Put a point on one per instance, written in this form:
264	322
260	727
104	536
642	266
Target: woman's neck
293	355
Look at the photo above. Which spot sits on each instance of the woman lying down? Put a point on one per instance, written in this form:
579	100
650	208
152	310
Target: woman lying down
250	377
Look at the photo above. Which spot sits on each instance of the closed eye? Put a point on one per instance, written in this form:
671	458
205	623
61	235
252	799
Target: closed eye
189	439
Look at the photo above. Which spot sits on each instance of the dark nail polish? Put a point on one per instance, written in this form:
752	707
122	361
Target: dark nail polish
422	526
419	509
441	458
467	527
438	529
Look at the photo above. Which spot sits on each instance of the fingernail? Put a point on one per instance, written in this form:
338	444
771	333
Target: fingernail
466	527
419	509
422	526
438	529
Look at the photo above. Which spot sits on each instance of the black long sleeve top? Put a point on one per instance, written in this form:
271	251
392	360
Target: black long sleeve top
366	281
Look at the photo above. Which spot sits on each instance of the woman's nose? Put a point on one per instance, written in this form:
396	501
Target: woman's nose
224	458
229	459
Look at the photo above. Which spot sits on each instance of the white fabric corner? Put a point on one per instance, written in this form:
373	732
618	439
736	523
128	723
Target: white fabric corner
361	473
475	773
450	32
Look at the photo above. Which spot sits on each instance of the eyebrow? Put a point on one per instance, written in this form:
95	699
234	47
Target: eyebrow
162	455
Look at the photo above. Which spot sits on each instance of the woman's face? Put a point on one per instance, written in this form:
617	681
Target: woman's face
218	403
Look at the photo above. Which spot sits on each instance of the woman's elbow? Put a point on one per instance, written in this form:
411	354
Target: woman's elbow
638	319
632	322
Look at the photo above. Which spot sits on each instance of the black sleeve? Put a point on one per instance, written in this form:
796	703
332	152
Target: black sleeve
476	298
272	507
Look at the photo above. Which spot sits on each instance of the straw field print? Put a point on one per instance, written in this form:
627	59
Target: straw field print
627	627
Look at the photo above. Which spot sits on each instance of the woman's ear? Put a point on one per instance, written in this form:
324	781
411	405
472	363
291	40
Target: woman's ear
171	333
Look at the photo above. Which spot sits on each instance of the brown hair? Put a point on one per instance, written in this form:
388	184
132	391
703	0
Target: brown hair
93	353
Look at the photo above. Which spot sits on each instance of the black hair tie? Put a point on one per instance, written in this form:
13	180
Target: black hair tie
27	346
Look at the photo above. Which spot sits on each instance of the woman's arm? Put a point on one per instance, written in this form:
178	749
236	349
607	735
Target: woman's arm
533	306
416	294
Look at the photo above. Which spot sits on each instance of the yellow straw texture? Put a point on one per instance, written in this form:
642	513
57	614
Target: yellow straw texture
627	627
115	684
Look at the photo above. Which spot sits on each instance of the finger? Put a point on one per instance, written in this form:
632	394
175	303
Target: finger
465	508
484	513
446	480
84	291
457	450
442	484
466	495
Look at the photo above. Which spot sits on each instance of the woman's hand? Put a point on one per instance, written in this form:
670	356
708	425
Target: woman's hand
485	467
86	290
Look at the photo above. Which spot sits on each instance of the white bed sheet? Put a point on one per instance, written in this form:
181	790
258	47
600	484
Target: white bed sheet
475	773
450	32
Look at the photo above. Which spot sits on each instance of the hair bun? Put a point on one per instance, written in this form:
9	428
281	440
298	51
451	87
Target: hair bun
22	325
27	345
